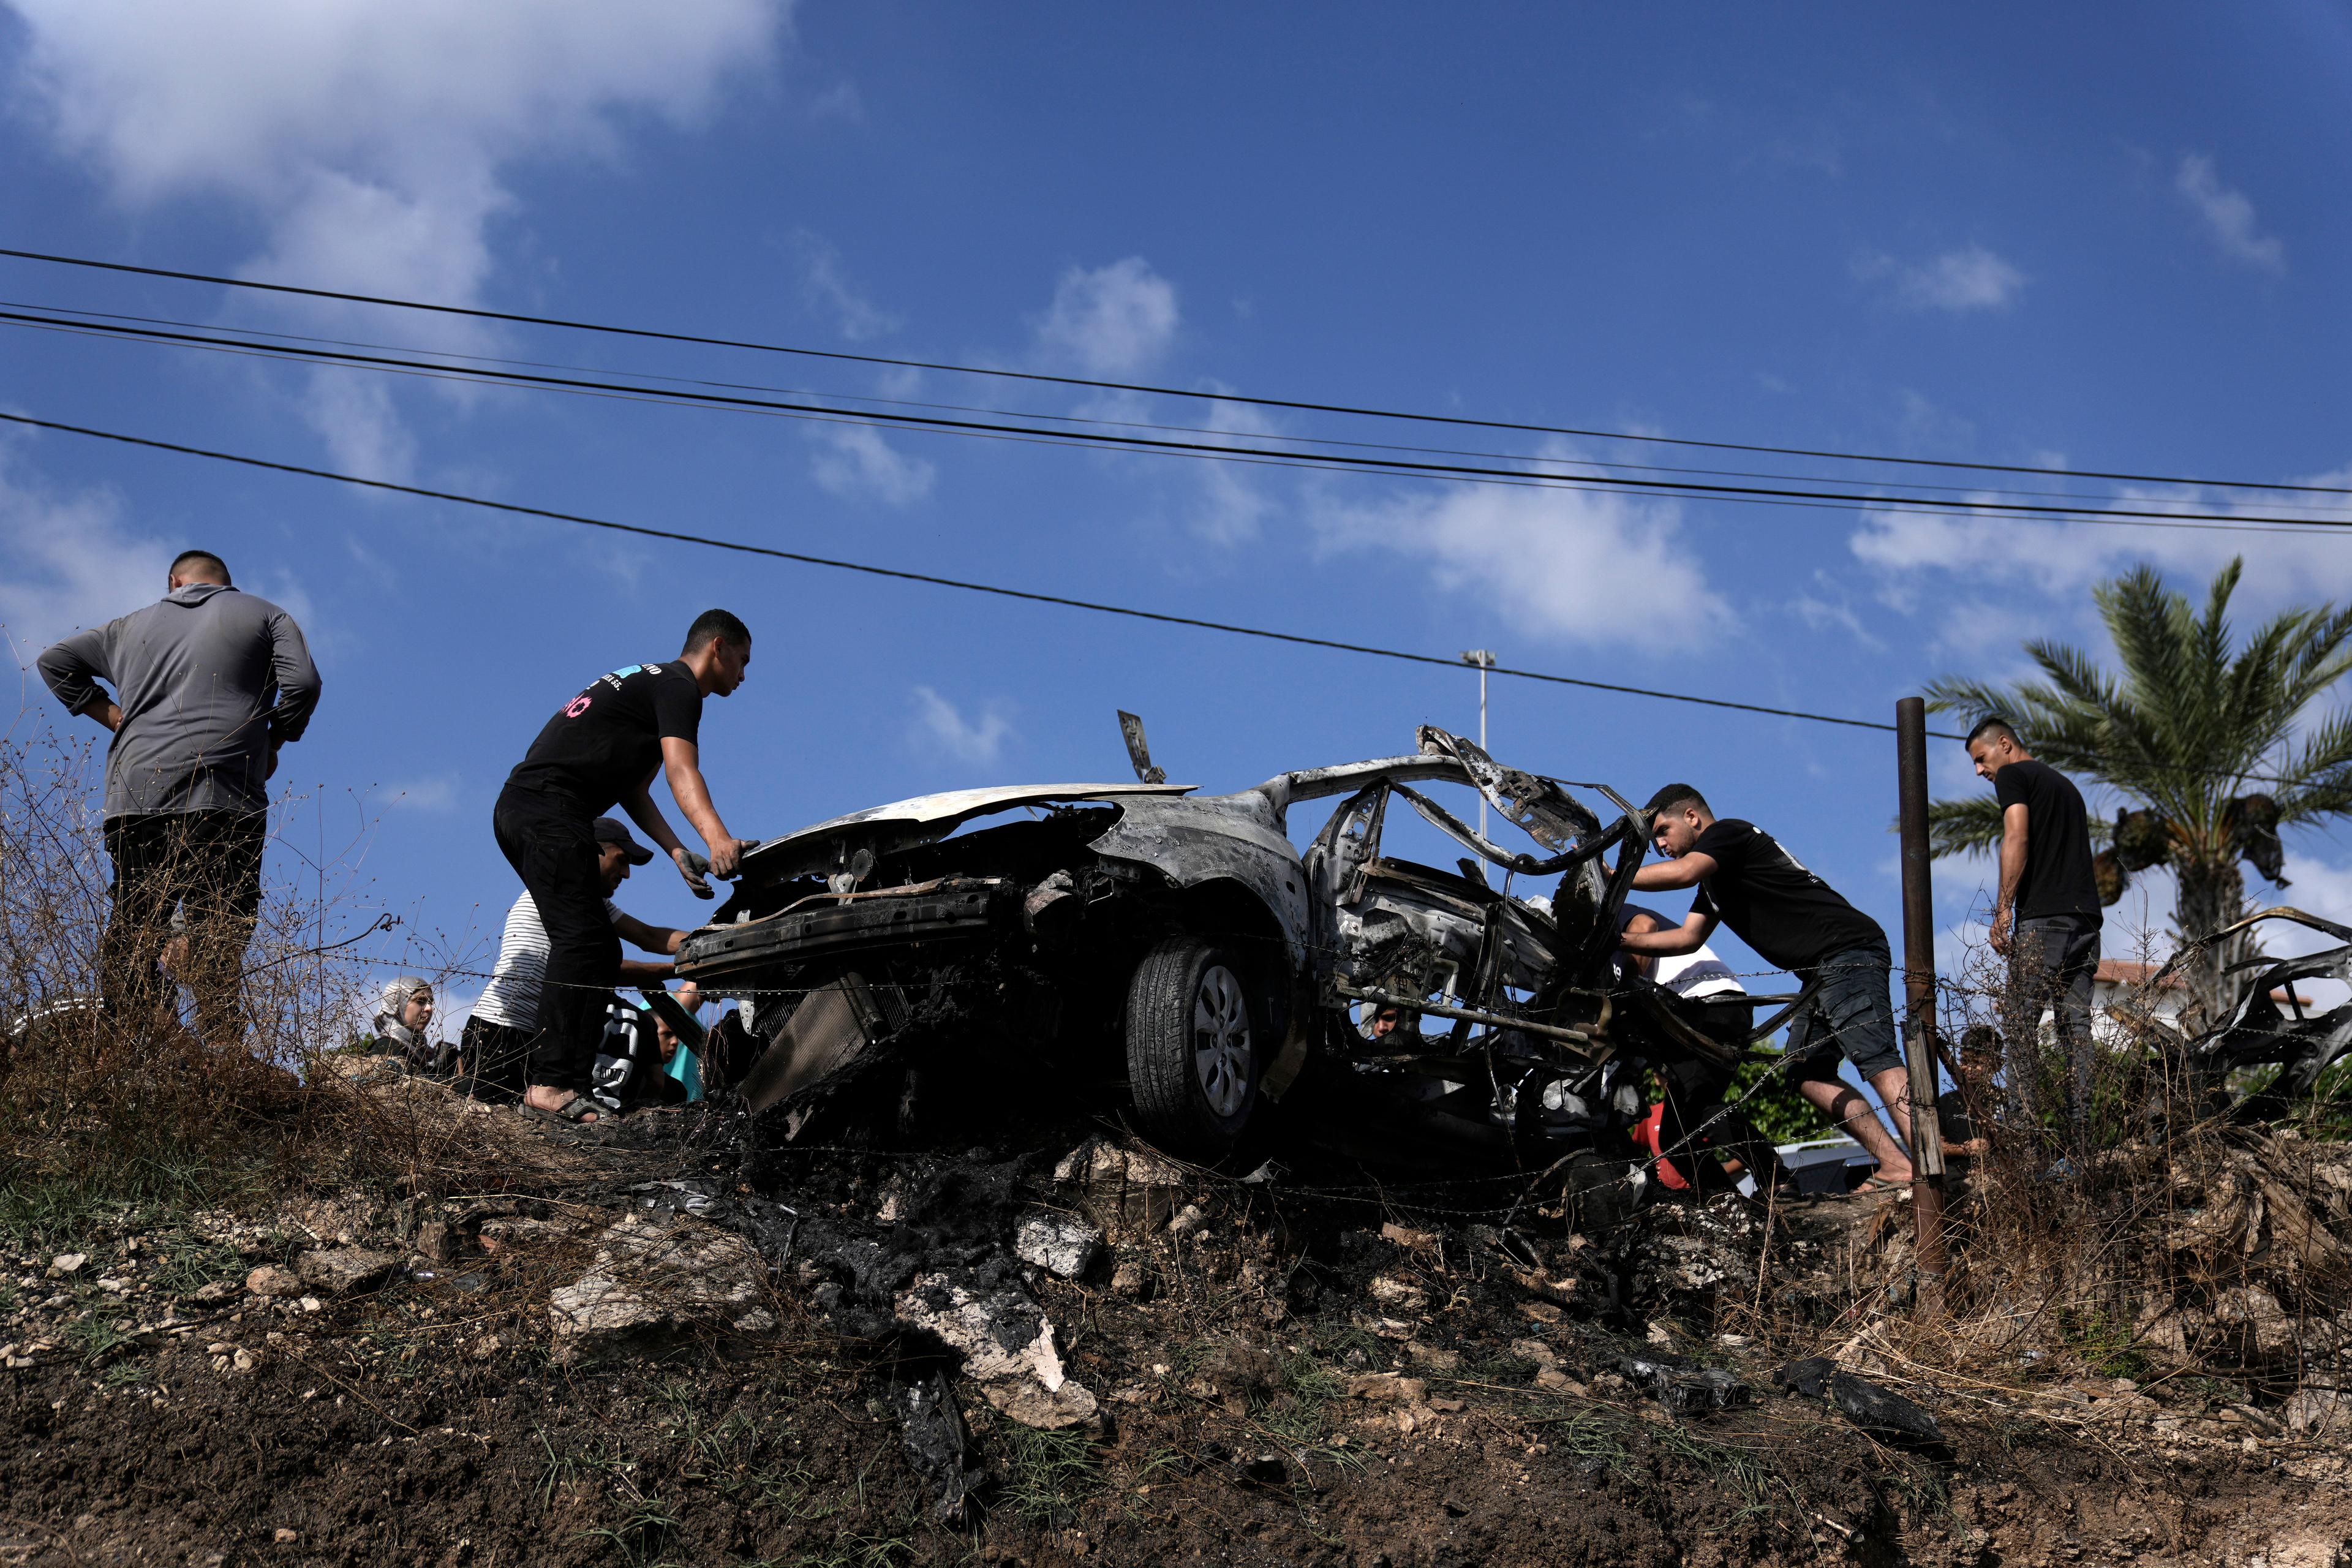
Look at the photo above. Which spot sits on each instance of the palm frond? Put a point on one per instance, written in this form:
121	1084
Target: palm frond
1963	827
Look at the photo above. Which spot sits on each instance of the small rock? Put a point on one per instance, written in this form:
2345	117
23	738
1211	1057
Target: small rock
66	1265
310	1303
272	1281
285	1537
243	1360
212	1293
2317	1412
1007	1344
1387	1389
344	1270
1410	1240
1397	1295
1128	1279
436	1241
1061	1245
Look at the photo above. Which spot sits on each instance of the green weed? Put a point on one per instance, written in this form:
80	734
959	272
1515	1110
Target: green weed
189	1265
1051	1474
1761	1486
2103	1340
94	1335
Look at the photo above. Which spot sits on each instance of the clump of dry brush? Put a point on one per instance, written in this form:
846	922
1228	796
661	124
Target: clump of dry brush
2161	1234
99	1111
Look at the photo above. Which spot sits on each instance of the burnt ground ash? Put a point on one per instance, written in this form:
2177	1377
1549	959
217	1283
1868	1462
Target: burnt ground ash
682	1346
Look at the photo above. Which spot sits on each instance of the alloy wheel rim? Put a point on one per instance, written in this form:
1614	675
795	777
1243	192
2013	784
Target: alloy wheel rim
1221	1040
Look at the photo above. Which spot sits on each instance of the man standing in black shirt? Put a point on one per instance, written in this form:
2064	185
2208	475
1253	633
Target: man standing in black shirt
1746	881
601	749
2046	917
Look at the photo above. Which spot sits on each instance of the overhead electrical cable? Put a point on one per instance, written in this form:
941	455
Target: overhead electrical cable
1074	420
1215	451
933	579
997	590
523	319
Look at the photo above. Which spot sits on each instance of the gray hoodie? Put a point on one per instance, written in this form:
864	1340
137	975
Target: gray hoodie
207	679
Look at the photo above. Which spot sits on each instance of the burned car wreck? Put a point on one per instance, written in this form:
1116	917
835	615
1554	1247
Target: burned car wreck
2271	1026
905	957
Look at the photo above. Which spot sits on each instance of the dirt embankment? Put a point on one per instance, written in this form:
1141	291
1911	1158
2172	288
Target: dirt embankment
670	1349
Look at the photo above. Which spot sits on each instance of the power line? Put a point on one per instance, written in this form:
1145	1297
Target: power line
1070	419
1304	405
1213	451
868	569
1029	596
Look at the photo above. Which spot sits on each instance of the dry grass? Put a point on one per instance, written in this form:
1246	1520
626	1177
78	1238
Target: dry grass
2161	1243
99	1112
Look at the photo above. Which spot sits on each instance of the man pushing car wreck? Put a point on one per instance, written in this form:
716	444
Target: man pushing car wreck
1796	921
602	749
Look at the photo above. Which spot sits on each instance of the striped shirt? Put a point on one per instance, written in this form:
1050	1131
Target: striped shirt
512	995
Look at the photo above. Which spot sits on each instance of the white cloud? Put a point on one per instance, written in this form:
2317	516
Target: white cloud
353	413
68	563
855	462
367	137
1116	319
437	794
826	288
1969	279
1821	615
940	723
1569	565
2228	214
2061	560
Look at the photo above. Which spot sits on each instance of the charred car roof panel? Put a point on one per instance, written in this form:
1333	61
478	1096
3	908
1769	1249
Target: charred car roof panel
923	818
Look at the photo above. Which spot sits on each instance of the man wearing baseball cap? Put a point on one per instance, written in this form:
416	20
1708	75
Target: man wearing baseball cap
496	1042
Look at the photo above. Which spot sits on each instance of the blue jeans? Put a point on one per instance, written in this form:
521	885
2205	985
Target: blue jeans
1850	1016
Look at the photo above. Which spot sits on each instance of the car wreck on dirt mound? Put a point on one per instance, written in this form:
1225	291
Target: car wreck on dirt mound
923	949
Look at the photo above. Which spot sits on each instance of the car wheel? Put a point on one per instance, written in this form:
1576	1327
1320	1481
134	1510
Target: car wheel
1192	1047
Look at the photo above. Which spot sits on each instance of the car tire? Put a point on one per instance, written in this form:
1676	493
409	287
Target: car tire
1193	1048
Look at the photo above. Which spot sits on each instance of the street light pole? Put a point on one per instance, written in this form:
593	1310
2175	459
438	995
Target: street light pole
1484	658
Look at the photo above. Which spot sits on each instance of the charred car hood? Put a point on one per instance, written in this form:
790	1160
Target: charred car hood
903	823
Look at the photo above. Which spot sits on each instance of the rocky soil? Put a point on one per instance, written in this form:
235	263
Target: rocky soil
680	1345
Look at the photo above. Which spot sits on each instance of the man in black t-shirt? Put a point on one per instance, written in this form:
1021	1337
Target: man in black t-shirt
1746	881
2046	916
601	750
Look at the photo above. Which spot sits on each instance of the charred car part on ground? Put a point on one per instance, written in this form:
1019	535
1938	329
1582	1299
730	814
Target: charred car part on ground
891	957
2269	1028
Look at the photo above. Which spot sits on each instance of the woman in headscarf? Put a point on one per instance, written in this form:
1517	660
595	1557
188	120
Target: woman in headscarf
403	1010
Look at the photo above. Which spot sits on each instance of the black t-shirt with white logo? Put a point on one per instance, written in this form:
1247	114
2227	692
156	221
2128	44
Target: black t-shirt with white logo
1763	893
606	742
2057	879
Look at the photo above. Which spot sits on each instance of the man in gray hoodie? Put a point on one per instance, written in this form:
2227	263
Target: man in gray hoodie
208	683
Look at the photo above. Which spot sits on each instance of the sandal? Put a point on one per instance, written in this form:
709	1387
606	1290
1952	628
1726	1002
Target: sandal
572	1116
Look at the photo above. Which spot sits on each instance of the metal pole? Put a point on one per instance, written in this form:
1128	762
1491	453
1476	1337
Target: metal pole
1484	660
1919	996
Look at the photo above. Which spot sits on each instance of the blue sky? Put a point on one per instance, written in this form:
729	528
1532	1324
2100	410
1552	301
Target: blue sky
2003	235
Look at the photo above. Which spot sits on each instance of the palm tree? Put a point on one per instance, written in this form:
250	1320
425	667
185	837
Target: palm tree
2204	745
